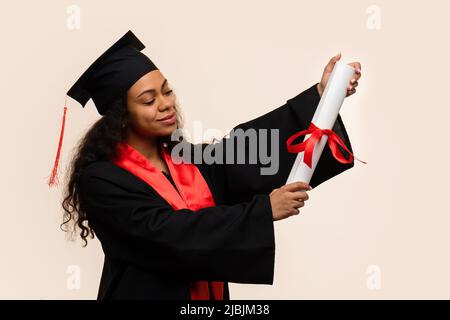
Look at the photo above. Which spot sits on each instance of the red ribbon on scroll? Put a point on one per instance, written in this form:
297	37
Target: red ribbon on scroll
308	145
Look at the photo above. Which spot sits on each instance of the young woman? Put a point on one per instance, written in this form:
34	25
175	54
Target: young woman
173	229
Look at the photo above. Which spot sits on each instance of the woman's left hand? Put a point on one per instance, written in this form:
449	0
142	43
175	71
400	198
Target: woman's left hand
351	88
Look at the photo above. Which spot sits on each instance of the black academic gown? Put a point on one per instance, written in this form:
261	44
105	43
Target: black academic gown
154	252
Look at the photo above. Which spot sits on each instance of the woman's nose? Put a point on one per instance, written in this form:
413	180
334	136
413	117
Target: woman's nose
165	104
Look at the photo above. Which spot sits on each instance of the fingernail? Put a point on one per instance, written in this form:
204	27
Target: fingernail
352	81
309	187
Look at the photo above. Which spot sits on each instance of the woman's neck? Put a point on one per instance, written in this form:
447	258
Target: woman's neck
147	147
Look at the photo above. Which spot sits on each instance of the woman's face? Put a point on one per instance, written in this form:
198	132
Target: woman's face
150	100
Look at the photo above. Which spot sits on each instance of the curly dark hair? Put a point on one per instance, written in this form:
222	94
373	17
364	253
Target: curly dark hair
98	144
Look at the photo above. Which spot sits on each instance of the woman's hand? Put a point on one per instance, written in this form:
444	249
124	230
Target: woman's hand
327	72
286	200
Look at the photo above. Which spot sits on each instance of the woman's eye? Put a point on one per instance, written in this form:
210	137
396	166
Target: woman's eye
151	102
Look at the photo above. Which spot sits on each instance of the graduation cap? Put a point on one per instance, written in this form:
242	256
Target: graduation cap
106	79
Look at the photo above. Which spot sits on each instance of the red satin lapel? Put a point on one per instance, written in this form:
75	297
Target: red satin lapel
193	187
133	161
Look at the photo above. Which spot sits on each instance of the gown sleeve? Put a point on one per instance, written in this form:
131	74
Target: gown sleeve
236	182
224	243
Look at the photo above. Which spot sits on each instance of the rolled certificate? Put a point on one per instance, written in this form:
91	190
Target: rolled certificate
324	118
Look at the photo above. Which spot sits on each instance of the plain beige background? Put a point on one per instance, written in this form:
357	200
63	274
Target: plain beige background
380	230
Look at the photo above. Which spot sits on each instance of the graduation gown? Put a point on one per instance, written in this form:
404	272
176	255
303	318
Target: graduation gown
154	252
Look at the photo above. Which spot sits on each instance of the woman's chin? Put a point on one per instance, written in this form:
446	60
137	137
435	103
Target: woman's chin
167	131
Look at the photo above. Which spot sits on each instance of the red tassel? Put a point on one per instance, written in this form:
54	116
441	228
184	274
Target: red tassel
53	180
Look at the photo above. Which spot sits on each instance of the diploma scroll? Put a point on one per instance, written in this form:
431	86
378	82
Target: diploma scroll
324	118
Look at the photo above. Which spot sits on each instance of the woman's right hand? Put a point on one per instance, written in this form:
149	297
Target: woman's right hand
287	199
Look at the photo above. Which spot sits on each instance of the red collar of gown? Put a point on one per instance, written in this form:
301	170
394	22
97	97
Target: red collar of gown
194	194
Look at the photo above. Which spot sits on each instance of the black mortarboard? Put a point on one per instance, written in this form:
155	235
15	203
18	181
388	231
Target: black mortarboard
107	79
113	73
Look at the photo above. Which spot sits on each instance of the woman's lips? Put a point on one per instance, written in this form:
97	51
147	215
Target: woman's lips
171	120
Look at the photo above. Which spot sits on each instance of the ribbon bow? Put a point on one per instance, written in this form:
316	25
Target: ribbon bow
308	145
